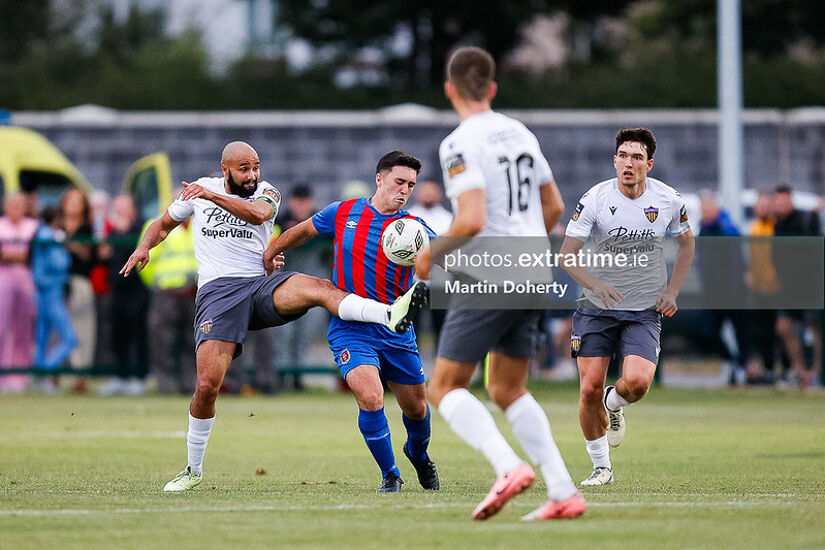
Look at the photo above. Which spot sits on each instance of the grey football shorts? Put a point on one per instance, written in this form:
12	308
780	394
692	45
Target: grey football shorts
603	333
468	334
227	308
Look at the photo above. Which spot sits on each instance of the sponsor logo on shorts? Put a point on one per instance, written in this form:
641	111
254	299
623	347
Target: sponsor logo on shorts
651	213
206	326
345	357
575	342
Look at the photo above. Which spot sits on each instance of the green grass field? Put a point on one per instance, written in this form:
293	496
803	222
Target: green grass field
698	469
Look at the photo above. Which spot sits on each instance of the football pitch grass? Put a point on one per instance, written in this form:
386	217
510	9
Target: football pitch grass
698	469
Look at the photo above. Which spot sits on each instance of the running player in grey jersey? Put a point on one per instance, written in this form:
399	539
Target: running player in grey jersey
621	307
500	185
232	222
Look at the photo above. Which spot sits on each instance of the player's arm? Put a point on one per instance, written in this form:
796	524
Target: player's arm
609	295
255	212
666	303
289	239
552	205
154	235
468	222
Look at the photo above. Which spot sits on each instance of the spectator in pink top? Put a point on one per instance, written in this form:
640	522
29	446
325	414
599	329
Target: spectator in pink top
17	306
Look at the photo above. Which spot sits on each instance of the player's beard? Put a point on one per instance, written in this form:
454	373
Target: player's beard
238	188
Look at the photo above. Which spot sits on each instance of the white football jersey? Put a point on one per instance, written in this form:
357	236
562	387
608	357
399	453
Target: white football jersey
500	155
636	228
225	245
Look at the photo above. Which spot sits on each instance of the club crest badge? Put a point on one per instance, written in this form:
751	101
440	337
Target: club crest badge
206	326
575	343
345	357
651	213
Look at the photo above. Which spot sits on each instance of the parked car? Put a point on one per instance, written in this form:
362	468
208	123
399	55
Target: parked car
32	164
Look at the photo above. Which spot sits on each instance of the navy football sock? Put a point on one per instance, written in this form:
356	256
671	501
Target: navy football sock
418	436
376	432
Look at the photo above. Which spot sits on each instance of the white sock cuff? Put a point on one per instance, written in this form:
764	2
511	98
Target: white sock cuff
615	401
599	452
517	407
200	424
597	441
451	401
356	308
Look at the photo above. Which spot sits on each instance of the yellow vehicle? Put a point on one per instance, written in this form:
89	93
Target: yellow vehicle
30	163
149	181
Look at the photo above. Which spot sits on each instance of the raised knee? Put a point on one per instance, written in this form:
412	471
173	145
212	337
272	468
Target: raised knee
637	385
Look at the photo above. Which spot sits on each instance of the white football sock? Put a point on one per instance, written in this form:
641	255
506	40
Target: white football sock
196	439
472	422
616	401
356	308
532	429
599	452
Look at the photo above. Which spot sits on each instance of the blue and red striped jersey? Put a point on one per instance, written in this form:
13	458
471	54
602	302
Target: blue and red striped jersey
360	266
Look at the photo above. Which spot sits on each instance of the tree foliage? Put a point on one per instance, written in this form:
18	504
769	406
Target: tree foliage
769	27
662	55
434	27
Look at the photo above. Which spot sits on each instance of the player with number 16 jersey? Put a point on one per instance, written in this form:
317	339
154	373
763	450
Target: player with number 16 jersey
500	185
498	154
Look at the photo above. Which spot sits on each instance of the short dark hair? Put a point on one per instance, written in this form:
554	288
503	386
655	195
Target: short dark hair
398	158
784	188
471	70
642	135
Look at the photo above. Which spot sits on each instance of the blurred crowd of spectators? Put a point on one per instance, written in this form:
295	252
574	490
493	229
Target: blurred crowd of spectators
768	346
64	305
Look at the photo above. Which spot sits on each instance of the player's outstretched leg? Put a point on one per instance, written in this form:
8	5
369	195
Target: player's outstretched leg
405	308
300	292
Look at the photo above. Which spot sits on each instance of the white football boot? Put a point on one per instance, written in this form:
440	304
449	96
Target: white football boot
182	482
600	476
